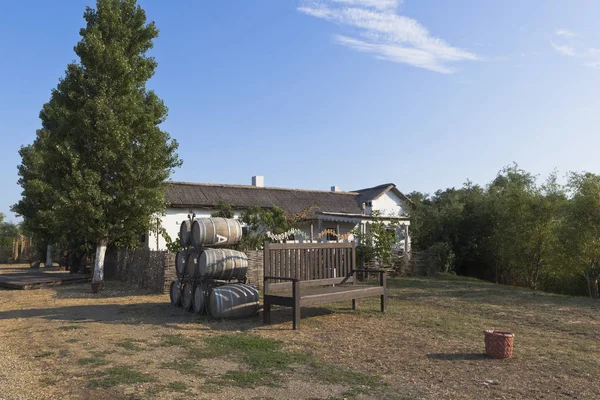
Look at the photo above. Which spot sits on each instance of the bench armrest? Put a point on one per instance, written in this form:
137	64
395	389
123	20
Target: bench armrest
281	278
368	270
381	272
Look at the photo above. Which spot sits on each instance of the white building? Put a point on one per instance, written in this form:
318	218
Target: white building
333	210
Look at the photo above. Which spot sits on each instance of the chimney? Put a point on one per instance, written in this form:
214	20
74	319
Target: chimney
258	181
335	189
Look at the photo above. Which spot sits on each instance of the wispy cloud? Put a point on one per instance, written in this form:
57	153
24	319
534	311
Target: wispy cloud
387	35
563	49
377	4
593	58
574	47
565	33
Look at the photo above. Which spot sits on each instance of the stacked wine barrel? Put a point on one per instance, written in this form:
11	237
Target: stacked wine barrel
211	279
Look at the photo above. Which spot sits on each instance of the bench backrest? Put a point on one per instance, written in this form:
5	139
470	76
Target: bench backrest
311	263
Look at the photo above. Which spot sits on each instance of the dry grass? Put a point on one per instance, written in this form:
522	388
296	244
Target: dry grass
134	345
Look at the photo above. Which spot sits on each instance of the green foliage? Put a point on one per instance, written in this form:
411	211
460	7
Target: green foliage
516	231
224	211
580	229
98	168
259	221
378	242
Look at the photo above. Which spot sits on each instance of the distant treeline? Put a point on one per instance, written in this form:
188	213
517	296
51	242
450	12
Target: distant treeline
516	230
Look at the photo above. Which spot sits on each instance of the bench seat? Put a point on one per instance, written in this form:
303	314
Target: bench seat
327	294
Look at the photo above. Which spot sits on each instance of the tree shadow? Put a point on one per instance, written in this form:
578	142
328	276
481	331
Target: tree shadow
457	356
159	314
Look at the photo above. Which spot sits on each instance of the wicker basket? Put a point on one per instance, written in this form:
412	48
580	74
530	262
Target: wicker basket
498	344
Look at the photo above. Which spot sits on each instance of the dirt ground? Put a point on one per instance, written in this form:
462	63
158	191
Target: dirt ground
66	343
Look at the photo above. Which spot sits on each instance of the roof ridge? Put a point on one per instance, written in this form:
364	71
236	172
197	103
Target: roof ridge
375	187
260	187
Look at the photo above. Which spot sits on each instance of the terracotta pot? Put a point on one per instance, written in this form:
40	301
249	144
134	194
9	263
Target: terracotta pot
498	344
97	287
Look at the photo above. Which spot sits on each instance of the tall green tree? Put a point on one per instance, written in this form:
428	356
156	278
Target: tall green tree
37	202
106	159
580	228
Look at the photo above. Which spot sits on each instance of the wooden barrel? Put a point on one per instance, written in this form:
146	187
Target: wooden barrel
175	293
185	233
187	295
233	301
180	259
200	300
222	264
191	263
216	232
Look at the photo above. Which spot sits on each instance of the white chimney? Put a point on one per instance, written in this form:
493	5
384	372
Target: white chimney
335	189
258	181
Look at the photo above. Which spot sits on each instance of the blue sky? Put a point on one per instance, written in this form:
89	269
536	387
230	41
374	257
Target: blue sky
422	93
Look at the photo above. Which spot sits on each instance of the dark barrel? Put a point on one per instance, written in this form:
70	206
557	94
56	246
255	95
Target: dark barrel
175	293
180	259
216	232
185	233
222	264
233	301
187	296
191	263
200	300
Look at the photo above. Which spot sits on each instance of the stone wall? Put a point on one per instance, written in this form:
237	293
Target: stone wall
142	268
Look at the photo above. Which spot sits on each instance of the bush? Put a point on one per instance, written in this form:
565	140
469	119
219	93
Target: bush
442	257
364	255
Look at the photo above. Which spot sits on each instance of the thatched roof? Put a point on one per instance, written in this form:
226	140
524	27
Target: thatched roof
293	201
375	192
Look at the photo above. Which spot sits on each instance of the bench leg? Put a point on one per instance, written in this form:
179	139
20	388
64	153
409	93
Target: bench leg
383	301
296	306
267	311
354	304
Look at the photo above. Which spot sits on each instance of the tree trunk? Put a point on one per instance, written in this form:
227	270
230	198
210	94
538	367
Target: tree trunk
592	278
48	262
99	262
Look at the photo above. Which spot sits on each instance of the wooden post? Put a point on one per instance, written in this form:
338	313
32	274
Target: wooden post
266	309
337	232
296	307
312	231
383	282
320	228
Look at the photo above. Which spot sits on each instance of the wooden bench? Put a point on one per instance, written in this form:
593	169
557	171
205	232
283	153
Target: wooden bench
307	274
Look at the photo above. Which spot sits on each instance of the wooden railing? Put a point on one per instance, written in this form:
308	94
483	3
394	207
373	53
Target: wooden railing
309	261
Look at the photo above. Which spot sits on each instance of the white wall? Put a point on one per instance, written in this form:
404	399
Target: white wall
389	204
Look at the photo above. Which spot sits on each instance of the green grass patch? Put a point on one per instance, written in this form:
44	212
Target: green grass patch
130	344
175	340
121	375
69	327
338	374
44	354
256	352
177	387
94	360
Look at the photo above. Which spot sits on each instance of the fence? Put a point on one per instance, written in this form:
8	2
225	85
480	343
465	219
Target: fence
142	268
